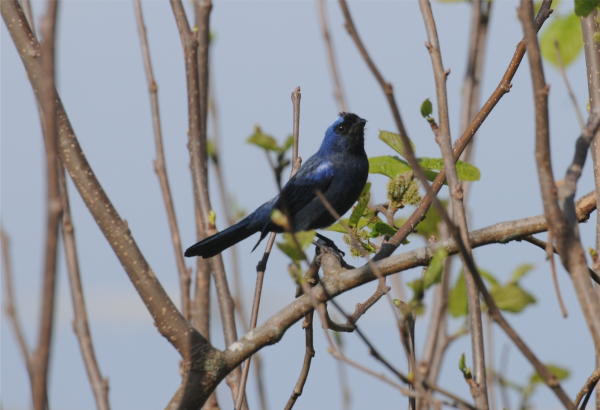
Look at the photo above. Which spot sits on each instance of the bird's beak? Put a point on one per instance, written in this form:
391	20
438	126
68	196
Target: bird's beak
360	124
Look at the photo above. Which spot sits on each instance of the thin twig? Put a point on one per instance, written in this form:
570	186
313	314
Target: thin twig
160	164
260	275
80	323
344	385
238	292
195	46
338	90
308	356
587	387
387	88
273	329
568	85
11	305
169	321
471	89
458	211
590	28
562	222
550	255
41	356
262	265
504	87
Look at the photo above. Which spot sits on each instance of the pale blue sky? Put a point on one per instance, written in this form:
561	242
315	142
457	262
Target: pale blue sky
262	51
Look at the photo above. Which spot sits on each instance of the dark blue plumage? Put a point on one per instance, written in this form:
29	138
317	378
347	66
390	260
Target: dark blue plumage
339	169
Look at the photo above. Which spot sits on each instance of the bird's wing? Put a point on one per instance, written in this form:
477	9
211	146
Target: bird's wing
300	189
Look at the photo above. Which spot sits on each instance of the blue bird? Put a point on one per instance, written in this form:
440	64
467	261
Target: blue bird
339	169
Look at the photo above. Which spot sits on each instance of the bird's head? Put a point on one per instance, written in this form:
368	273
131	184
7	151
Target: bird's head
346	134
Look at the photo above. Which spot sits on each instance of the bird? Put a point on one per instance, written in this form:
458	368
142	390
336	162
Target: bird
339	169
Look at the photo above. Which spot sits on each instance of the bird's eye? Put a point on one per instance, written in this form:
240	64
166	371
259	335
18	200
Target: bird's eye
341	128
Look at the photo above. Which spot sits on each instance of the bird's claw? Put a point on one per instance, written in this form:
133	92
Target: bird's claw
326	245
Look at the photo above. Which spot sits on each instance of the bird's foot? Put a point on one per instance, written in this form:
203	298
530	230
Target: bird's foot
326	245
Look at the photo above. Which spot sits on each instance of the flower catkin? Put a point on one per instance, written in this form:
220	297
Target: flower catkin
403	190
363	240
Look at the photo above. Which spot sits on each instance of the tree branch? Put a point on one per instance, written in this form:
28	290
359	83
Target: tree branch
504	87
272	330
80	324
308	356
458	211
196	62
568	84
170	323
386	87
338	90
11	305
160	165
41	356
588	387
562	226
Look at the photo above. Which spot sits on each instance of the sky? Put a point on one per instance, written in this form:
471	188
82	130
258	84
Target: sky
262	51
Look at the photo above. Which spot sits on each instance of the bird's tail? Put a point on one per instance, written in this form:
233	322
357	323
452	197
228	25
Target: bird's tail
217	243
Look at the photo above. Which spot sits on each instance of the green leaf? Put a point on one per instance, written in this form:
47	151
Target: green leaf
388	166
433	274
488	276
394	141
417	287
304	238
429	226
359	209
457	299
521	271
381	228
211	150
426	108
583	8
465	171
462	365
290	250
337	227
263	140
560	372
567	31
511	297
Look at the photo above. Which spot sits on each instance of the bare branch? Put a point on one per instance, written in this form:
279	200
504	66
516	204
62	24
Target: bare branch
387	88
562	226
588	387
160	165
80	324
568	85
458	211
11	305
333	68
272	330
41	356
195	48
504	87
308	355
169	321
471	89
261	267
